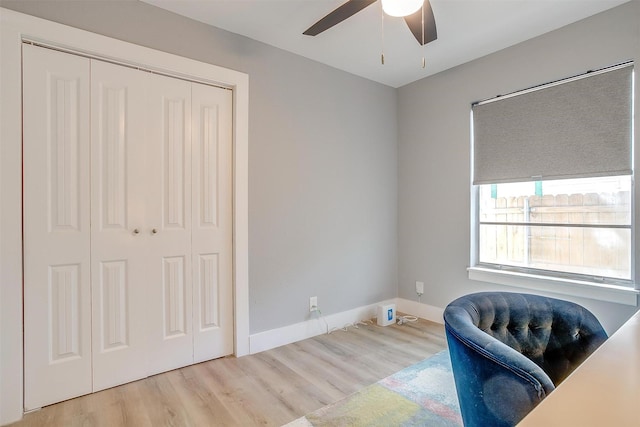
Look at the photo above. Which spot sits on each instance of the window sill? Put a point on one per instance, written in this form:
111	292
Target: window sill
577	288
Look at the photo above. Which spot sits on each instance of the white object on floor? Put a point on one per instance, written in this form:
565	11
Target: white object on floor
386	314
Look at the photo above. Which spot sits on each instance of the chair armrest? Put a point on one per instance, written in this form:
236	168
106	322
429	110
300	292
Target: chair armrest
497	384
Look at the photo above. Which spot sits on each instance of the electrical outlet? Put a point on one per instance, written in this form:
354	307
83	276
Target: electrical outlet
419	288
313	303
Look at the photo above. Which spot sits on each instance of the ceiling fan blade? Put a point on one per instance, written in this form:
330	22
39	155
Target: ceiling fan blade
337	16
415	24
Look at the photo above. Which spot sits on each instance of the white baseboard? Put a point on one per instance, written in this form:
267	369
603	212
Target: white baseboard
423	311
318	325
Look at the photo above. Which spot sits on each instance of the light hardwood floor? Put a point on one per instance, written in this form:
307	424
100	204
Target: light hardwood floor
270	388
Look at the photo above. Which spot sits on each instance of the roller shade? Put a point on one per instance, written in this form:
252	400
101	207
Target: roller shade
580	127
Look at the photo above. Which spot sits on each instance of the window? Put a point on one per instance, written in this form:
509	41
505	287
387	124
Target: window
552	179
572	226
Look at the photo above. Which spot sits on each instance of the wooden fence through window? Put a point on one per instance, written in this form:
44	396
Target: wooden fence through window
598	250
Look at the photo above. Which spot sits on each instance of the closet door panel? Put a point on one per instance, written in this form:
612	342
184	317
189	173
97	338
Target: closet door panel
56	209
168	220
212	222
118	244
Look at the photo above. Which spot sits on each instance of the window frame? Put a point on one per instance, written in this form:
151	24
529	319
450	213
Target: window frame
560	283
580	277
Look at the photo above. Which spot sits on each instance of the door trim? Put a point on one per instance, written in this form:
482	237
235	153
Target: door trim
14	28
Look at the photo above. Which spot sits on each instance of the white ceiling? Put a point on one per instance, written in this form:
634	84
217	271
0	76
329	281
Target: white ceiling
467	29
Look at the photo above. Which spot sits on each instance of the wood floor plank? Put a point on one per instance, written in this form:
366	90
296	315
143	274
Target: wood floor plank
270	388
211	393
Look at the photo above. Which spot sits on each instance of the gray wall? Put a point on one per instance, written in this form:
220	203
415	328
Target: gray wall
434	147
322	161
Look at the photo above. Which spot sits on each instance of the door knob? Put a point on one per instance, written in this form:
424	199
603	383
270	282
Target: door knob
154	231
136	231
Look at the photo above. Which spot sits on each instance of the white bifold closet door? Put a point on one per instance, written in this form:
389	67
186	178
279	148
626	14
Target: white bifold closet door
56	215
141	223
152	173
212	223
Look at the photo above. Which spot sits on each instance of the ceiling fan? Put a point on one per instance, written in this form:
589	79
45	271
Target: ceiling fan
413	17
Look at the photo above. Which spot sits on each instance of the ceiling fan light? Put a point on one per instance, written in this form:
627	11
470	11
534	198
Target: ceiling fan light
401	7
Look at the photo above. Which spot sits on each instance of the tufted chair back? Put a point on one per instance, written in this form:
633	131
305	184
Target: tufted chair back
510	350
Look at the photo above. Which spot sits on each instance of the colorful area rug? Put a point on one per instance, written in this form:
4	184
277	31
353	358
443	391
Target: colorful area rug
421	395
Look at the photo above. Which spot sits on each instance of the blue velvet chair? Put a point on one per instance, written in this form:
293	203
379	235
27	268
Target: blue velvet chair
510	350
